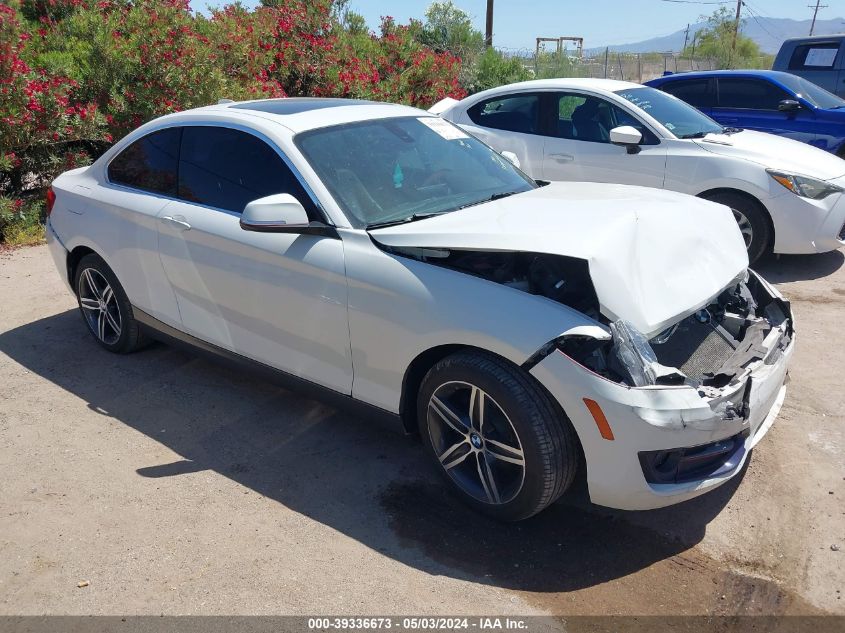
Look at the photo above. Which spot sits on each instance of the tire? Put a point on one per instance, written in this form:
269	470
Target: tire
519	439
752	219
104	306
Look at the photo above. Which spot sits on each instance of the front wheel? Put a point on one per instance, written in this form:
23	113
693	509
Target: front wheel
751	219
496	435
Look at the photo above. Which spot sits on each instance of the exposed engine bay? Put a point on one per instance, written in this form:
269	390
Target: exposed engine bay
708	350
562	279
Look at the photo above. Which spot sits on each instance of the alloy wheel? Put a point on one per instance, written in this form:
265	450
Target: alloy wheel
476	443
99	306
744	227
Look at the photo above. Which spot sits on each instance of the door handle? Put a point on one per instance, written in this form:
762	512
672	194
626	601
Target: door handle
176	221
563	158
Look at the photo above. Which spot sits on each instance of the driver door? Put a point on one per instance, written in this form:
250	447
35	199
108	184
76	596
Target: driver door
578	147
280	299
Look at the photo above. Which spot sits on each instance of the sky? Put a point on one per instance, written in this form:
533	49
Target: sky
599	22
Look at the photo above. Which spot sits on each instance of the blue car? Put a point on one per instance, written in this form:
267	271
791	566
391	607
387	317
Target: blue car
764	100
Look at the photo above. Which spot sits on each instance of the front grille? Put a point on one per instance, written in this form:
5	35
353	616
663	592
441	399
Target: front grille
694	463
842	232
696	348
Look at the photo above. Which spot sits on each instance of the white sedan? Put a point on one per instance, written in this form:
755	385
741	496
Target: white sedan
786	196
384	257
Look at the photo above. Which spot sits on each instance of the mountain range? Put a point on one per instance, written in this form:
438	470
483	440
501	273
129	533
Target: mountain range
769	33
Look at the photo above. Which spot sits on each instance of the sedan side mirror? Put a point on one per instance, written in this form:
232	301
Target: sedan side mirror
789	105
627	136
281	213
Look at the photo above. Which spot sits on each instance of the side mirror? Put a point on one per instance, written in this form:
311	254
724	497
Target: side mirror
627	136
512	158
789	105
281	213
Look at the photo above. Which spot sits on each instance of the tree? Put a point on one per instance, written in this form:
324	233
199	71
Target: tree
716	42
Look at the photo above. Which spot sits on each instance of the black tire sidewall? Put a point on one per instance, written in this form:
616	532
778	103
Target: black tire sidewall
522	410
129	328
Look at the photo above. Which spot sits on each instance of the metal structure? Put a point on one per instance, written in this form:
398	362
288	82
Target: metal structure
579	44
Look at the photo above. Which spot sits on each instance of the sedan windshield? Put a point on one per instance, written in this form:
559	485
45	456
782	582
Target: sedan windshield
816	95
403	169
675	115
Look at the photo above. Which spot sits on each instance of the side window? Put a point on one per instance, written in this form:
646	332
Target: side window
513	113
149	163
225	168
695	92
750	94
586	118
818	56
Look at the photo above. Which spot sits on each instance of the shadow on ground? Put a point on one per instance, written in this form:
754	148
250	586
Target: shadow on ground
785	268
370	484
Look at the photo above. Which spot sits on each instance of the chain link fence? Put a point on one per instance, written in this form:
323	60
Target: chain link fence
638	67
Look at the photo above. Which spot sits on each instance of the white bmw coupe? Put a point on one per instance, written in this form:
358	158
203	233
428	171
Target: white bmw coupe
384	257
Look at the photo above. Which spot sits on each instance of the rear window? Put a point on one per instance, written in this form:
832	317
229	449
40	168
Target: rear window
817	56
695	92
149	163
512	113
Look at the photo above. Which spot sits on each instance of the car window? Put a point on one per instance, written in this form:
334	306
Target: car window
816	95
750	94
149	163
399	169
695	92
586	118
226	169
817	56
677	116
513	113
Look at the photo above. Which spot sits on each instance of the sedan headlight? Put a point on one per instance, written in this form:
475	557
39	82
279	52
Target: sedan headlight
804	186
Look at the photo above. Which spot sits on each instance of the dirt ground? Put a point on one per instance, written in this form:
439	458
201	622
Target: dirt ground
172	485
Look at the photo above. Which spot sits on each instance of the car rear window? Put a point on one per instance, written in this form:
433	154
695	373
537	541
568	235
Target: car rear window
149	163
817	56
512	113
695	92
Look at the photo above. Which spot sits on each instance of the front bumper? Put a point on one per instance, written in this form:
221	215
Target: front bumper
659	418
804	226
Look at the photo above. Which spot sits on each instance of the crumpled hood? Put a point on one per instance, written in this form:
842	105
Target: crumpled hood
654	256
776	152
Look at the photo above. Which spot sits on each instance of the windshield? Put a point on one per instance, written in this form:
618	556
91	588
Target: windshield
816	95
678	117
401	169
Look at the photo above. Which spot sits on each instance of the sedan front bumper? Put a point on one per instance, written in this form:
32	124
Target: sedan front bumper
804	226
629	453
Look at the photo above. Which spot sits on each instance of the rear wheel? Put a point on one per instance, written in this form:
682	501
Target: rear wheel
105	306
752	221
495	435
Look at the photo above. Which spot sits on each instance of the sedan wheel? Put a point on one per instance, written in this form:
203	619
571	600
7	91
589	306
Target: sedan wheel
496	435
105	307
744	227
475	442
99	306
752	219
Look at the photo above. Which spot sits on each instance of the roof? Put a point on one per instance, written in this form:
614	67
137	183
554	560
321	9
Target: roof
299	114
776	75
609	85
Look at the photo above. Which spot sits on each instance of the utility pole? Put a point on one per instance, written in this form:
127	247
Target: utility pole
686	37
815	13
736	28
488	33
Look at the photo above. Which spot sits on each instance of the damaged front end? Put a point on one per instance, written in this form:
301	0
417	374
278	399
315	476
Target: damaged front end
714	351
